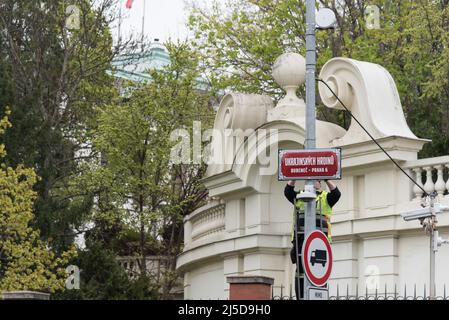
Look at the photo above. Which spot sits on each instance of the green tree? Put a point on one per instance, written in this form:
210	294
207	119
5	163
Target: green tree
240	42
141	196
53	77
101	278
26	262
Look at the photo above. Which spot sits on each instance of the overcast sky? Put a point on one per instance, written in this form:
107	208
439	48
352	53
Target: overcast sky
163	19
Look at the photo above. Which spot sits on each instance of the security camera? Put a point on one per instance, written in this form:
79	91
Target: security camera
419	214
424	213
439	208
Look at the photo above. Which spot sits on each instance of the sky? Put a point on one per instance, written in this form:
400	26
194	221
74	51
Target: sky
163	19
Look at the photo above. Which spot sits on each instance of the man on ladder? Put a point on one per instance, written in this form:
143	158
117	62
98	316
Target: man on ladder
324	203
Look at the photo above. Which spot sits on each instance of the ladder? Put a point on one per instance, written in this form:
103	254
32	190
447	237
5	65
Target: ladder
299	232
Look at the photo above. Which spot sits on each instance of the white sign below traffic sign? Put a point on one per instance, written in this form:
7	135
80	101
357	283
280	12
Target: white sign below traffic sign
318	294
317	258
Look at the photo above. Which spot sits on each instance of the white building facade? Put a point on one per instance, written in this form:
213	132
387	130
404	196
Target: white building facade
245	229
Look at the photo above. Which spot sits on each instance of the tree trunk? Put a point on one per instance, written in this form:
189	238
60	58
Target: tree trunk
143	264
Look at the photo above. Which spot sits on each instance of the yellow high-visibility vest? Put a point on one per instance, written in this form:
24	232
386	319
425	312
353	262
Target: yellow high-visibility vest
322	207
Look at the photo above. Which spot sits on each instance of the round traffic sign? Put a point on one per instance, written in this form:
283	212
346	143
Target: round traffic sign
317	258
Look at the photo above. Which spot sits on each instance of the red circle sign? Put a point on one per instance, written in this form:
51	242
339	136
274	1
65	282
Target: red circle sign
317	258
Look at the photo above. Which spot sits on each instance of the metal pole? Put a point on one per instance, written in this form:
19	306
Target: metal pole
433	248
120	24
298	261
143	24
432	265
310	214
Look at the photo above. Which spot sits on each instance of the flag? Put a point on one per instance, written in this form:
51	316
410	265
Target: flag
129	4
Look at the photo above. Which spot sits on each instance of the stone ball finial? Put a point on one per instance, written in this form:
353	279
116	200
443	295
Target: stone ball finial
289	70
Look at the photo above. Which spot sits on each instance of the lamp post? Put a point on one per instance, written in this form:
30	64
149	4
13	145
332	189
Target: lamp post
310	142
325	19
427	218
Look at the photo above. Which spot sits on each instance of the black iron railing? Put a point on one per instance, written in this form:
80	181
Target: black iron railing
288	294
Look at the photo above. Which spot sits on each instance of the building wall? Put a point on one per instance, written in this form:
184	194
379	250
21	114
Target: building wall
205	282
373	246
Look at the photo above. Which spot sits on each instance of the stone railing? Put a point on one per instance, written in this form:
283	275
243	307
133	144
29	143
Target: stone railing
156	271
206	221
155	265
432	174
24	295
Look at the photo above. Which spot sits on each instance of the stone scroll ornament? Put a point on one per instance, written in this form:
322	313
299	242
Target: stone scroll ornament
237	115
369	92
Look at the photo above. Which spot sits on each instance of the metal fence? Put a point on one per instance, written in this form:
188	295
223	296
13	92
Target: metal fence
406	294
